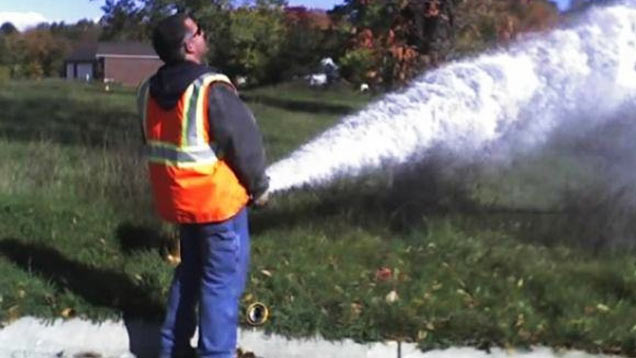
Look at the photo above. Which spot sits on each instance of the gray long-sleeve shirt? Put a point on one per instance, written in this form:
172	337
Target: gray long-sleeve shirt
237	136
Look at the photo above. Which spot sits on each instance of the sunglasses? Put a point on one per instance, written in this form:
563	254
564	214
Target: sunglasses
198	32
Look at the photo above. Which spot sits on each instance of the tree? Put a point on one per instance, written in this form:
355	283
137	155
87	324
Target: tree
124	20
8	28
254	43
45	51
483	24
254	39
15	53
4	51
310	37
35	53
393	40
134	20
81	31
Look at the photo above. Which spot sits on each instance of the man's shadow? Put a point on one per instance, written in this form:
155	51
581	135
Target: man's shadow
100	287
143	337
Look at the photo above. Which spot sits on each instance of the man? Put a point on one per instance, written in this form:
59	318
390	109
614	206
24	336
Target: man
206	164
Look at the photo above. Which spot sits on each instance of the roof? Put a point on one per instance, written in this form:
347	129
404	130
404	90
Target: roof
84	52
92	50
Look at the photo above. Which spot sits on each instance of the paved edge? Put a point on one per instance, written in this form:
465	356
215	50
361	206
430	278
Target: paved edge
30	337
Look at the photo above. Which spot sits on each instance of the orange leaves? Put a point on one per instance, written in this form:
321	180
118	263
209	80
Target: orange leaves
383	274
364	39
507	28
403	36
407	61
404	59
538	16
403	53
483	23
68	312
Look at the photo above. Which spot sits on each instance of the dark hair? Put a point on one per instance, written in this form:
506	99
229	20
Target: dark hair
167	38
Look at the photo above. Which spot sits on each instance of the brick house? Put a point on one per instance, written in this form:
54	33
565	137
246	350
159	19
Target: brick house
127	63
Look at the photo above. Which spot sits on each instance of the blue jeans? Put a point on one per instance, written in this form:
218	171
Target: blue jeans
212	273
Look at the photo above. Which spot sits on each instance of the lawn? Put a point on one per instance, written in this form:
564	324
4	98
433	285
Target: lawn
476	256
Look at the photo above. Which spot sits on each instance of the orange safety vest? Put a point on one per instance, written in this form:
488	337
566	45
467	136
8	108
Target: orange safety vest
190	183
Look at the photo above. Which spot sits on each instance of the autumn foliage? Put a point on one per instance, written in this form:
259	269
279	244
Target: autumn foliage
484	23
384	43
40	51
391	41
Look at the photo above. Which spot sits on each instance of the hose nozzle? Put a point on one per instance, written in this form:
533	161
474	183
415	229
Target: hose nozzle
257	314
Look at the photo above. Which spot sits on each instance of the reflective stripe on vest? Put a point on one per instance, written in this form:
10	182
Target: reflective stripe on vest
171	155
193	149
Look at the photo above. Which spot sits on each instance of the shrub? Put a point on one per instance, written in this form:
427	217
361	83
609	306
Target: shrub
356	64
33	70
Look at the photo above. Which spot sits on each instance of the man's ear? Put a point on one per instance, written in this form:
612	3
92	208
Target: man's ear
187	46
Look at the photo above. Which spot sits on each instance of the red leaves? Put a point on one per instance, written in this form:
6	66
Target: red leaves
383	274
399	36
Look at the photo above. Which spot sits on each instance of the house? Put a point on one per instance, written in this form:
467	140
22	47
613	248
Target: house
127	63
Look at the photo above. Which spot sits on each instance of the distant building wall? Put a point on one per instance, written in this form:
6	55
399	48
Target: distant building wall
70	70
130	70
84	71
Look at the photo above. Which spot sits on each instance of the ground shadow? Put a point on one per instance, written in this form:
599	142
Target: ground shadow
133	238
97	286
144	337
141	312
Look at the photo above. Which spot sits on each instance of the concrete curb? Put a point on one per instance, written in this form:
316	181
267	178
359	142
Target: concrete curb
29	337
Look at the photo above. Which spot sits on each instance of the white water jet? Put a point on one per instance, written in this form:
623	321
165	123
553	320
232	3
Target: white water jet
487	107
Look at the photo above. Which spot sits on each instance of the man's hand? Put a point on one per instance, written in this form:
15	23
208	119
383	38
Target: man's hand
262	199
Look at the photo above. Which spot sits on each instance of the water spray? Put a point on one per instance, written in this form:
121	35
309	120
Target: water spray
489	108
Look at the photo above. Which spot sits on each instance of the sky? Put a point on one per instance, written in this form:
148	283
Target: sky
27	13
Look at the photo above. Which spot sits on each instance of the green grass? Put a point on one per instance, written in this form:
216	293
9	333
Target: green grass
479	256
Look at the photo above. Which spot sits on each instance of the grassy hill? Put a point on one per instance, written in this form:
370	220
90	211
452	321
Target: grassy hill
474	257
